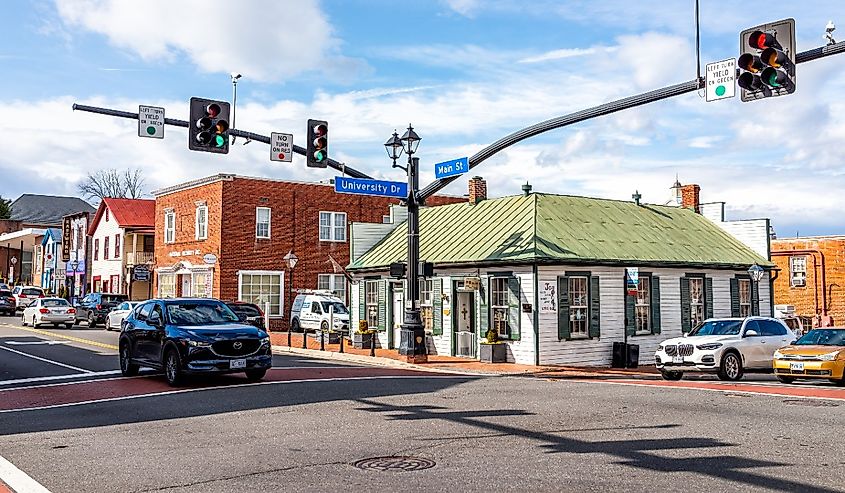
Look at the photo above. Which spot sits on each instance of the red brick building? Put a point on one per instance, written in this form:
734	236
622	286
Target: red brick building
812	275
225	236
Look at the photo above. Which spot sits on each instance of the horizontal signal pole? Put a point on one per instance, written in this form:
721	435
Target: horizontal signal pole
239	133
601	110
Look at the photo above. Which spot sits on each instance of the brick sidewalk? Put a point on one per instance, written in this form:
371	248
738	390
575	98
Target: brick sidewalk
392	357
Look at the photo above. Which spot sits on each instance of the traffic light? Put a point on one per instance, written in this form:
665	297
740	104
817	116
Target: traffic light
317	151
767	60
208	127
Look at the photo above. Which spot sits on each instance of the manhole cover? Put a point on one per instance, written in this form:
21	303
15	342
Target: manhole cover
810	403
394	463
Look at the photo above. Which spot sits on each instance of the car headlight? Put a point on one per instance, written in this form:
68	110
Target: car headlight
709	346
829	356
198	343
778	354
265	341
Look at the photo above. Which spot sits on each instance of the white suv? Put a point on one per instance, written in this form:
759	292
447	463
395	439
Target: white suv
725	346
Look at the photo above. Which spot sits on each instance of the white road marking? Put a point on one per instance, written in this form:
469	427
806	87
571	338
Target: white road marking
19	481
83	370
39	343
57	377
726	390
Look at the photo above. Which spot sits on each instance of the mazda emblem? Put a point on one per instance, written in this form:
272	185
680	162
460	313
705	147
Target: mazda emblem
237	345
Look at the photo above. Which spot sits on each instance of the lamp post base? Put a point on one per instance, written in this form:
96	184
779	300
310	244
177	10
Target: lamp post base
412	339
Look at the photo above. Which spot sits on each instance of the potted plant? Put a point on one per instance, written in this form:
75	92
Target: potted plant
362	336
493	350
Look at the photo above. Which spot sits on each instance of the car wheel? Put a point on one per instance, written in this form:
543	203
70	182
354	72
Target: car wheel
34	324
671	375
127	367
23	320
68	326
294	326
173	368
786	380
255	375
91	322
731	367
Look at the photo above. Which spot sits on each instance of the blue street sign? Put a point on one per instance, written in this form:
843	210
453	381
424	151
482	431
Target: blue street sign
454	167
371	187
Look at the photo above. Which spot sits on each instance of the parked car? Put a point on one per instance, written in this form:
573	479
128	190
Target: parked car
95	307
183	335
115	318
248	312
310	311
54	311
25	294
4	286
726	346
820	353
8	304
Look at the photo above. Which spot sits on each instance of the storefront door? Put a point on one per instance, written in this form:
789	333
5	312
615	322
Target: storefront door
397	314
186	285
463	322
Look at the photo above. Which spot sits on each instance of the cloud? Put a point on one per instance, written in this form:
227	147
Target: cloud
272	42
464	7
564	53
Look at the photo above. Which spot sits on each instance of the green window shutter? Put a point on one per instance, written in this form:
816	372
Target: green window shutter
514	308
755	298
686	312
437	309
630	314
388	306
362	305
483	308
655	305
708	297
563	330
382	305
595	309
734	297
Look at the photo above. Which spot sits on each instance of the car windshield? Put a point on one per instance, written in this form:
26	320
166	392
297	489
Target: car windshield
245	310
717	328
822	337
5	293
56	302
339	308
199	313
113	298
32	292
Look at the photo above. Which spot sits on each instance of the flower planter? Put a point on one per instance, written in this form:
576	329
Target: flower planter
361	341
494	353
330	337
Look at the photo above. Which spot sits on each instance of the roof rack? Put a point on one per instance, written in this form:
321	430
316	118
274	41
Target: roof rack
322	292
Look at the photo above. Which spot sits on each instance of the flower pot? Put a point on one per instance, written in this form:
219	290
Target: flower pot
361	341
494	353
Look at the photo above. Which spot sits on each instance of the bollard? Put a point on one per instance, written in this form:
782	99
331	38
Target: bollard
373	343
267	316
304	338
341	340
289	335
322	339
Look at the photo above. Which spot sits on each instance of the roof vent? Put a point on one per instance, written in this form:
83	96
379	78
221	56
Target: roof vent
526	189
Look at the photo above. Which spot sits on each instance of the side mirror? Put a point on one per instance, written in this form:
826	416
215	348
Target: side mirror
686	334
751	333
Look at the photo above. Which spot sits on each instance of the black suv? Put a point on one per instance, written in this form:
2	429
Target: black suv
7	302
248	312
94	307
187	335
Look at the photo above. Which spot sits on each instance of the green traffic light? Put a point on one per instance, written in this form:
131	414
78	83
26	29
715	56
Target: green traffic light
319	156
219	140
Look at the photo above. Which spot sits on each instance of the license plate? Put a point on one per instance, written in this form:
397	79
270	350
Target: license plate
237	363
796	366
677	359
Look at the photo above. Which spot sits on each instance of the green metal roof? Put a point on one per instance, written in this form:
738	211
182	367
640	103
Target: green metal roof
547	228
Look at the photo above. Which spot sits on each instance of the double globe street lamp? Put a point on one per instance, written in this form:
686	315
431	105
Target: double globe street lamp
756	273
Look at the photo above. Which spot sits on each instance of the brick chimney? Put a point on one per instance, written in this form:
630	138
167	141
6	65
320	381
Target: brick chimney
477	190
690	197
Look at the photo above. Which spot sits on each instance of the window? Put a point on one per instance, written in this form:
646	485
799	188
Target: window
315	308
107	215
499	304
771	328
169	227
643	305
798	271
579	304
106	248
744	297
97	249
200	284
696	291
426	305
333	282
332	226
371	293
167	285
262	222
261	287
117	246
201	223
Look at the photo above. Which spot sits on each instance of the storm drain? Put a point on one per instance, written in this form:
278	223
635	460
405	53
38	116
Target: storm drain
810	403
394	464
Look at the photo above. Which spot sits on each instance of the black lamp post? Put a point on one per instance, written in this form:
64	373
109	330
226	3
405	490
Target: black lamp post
290	259
73	265
412	339
755	272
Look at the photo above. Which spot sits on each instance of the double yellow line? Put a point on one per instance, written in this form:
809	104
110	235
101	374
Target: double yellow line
69	338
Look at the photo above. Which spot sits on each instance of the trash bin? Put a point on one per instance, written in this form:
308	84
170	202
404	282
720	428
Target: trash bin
618	359
633	355
625	355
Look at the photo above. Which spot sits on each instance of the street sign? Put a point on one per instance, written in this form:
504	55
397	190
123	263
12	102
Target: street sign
362	186
150	122
720	80
281	147
454	167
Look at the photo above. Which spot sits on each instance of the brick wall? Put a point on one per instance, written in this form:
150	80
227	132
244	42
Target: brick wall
806	299
690	197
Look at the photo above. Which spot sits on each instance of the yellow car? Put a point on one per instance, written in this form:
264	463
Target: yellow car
819	353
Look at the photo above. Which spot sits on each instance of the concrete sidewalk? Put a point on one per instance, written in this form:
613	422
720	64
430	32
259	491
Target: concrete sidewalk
450	364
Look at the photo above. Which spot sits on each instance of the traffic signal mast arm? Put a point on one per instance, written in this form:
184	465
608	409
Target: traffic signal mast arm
601	110
240	133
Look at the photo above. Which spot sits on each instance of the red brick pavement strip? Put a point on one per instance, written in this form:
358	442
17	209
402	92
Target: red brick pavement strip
801	391
4	488
98	390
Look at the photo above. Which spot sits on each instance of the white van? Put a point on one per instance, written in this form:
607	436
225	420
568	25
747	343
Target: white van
310	311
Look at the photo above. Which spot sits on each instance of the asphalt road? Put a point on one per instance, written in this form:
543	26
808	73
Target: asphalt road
306	427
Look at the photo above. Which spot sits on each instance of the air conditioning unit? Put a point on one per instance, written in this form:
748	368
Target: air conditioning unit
784	310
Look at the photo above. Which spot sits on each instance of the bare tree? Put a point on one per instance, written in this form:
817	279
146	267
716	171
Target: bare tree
112	183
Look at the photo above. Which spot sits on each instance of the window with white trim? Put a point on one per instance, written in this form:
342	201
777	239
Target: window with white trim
579	305
371	300
261	287
696	301
200	284
499	304
169	227
744	297
167	285
262	222
643	305
201	223
426	304
798	271
332	226
333	282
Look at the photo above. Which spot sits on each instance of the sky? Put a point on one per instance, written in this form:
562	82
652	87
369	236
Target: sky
465	73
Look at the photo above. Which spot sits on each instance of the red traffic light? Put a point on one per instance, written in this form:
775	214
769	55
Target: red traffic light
761	40
213	110
320	130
